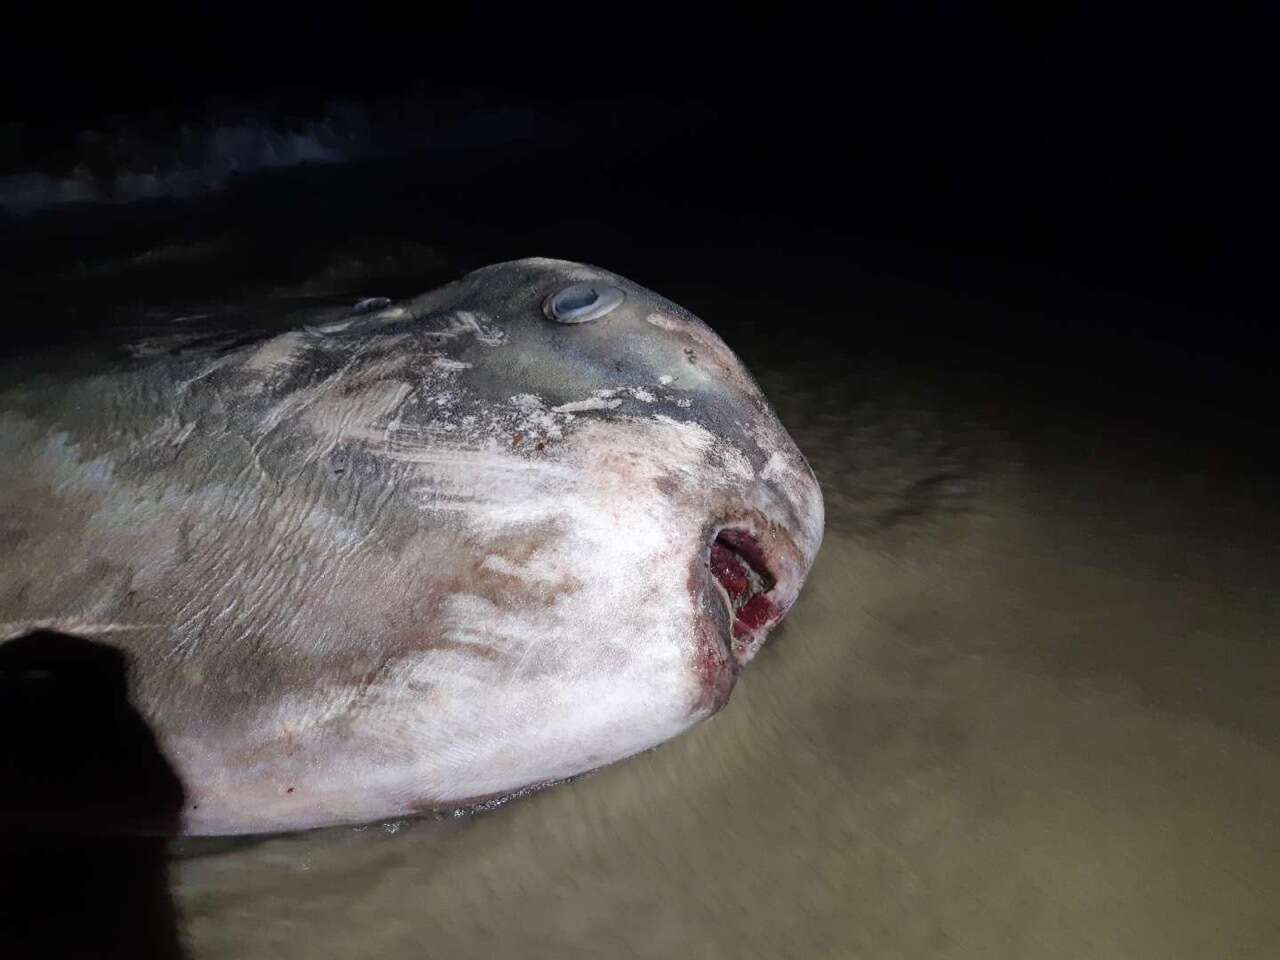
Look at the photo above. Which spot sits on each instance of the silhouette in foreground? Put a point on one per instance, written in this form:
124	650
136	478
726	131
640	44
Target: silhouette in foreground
80	776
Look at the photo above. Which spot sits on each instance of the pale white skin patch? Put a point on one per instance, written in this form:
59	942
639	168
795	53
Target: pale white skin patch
600	625
582	659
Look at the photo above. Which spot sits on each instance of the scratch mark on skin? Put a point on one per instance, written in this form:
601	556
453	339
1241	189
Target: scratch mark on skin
182	435
293	406
276	352
535	641
184	386
393	423
452	325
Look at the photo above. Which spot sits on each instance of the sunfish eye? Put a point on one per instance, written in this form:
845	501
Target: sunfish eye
581	302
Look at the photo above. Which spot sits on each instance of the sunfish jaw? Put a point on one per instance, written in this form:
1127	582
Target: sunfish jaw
739	567
750	572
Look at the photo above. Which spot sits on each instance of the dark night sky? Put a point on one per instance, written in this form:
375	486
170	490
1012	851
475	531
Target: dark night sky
1126	150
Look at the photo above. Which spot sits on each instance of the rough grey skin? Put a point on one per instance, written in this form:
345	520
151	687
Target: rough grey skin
405	556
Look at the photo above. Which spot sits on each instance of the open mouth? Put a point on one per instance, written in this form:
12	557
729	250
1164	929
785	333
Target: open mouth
738	565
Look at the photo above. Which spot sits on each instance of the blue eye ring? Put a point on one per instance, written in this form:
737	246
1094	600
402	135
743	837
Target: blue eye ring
582	302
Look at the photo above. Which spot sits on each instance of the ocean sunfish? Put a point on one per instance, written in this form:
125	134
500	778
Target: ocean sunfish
396	557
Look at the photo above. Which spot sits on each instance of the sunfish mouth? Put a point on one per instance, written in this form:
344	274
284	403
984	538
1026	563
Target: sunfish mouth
739	565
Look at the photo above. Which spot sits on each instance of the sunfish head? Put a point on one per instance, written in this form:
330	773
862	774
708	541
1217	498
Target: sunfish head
626	519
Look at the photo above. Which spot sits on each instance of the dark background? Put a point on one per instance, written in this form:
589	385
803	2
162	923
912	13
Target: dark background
1081	193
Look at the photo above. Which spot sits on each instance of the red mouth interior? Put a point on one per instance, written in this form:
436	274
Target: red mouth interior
738	563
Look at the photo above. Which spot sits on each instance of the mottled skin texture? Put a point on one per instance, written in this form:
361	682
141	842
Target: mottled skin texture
405	558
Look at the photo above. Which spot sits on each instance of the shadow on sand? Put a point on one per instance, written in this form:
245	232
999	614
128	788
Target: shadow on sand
80	774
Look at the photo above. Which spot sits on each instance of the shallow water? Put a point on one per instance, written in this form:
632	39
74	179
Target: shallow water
1027	704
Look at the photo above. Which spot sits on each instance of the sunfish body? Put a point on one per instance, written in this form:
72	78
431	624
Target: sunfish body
408	556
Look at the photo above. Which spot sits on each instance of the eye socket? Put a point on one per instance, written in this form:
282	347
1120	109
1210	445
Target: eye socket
581	302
